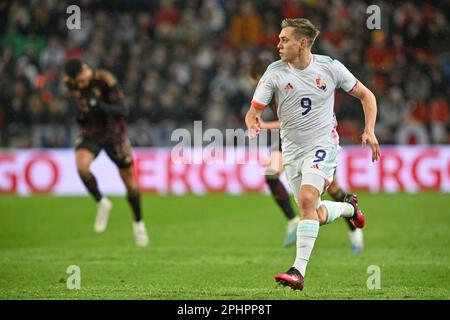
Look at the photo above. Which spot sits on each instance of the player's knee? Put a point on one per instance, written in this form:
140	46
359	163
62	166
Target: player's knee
307	202
128	179
83	171
131	185
83	167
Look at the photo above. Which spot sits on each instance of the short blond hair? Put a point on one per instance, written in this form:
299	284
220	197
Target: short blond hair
303	28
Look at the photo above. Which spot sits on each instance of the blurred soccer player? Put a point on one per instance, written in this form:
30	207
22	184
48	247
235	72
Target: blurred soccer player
101	113
274	168
304	85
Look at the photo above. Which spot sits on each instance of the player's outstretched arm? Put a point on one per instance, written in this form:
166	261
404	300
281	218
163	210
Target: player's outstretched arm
369	104
252	120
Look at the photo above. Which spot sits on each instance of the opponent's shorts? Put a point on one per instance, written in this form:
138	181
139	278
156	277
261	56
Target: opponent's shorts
119	153
276	143
315	166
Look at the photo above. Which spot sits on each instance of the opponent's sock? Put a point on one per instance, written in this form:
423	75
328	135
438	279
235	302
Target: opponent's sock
281	196
90	183
307	232
338	209
350	225
134	199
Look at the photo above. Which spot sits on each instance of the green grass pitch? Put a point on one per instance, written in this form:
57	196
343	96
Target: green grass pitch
219	247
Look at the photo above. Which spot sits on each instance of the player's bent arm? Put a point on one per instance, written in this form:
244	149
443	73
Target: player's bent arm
270	124
116	109
116	106
369	104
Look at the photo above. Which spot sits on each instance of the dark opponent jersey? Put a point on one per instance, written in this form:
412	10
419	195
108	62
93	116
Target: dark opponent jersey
101	108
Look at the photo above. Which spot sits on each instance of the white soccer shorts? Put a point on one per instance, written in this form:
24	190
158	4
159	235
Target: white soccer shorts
315	167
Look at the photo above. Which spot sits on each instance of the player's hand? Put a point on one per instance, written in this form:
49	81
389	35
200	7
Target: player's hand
253	131
368	137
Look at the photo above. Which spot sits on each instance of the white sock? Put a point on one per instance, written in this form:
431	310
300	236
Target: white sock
307	231
338	209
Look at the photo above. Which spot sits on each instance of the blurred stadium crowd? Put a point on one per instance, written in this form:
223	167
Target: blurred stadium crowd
180	61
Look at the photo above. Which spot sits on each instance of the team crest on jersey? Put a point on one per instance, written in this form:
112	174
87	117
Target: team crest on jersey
321	84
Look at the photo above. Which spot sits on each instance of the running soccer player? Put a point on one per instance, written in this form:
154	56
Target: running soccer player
303	84
274	168
101	114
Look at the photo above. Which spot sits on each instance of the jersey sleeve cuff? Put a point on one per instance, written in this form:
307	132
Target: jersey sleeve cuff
354	87
258	105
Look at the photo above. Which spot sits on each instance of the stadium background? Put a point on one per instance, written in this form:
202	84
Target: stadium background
181	61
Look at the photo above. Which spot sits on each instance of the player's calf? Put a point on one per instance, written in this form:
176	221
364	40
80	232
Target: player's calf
90	183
